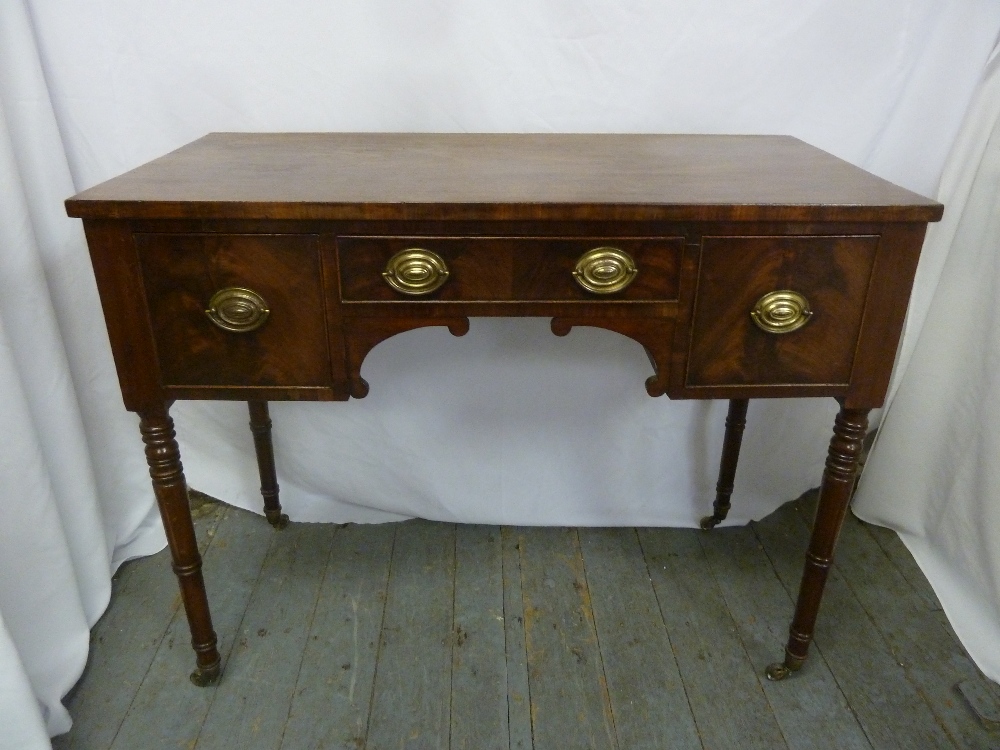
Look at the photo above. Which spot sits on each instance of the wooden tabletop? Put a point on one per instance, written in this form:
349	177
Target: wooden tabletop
390	176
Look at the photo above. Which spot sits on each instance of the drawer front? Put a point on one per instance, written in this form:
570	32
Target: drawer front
511	268
182	273
830	275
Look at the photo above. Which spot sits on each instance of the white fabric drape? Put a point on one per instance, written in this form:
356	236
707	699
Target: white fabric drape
508	424
71	512
934	472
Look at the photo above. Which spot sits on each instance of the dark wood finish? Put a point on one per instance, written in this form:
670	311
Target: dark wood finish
736	420
728	349
260	426
502	177
308	221
521	269
170	487
885	308
119	281
182	272
834	496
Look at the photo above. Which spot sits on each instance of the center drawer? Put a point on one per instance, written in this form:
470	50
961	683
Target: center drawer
492	269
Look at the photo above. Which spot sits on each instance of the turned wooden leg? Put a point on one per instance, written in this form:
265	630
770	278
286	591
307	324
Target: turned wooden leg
164	459
736	420
834	497
260	425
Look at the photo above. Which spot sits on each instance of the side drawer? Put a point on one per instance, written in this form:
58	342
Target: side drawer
729	348
183	272
509	268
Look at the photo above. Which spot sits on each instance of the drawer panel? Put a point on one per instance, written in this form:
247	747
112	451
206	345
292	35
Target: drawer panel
181	274
509	268
728	348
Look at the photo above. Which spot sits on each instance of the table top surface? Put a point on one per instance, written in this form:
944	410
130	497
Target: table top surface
396	176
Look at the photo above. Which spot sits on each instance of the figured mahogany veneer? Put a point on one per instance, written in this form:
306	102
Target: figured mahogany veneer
181	272
728	349
284	239
510	269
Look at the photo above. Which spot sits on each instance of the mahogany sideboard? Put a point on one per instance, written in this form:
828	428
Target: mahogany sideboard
263	267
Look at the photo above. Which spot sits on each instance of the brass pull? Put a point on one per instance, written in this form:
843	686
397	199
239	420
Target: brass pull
604	270
781	312
237	310
415	271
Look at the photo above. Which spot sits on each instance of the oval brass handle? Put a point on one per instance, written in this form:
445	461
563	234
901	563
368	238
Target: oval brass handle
237	309
604	270
415	271
782	311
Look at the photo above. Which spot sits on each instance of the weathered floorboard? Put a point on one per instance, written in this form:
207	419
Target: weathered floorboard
411	705
570	707
332	698
811	711
729	706
232	565
432	634
931	660
518	687
648	699
479	660
137	630
893	547
889	709
263	667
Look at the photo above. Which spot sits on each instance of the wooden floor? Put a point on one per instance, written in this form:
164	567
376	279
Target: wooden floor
431	635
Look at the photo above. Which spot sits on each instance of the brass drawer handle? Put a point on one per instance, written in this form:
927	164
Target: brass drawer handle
237	310
415	271
783	311
604	270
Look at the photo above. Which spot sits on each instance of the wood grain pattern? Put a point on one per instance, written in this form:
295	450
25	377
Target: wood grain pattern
509	268
518	681
570	706
137	626
411	709
710	655
119	282
308	221
815	714
331	704
479	714
750	572
412	176
233	561
727	348
182	272
253	711
648	700
932	661
889	708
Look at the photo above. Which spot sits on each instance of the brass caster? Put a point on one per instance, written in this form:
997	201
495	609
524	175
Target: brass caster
205	676
777	671
780	670
277	520
709	522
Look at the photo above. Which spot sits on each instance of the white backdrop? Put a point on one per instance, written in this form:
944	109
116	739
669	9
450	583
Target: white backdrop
934	473
508	424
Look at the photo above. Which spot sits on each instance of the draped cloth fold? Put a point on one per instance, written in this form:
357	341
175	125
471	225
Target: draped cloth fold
509	424
934	472
70	515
